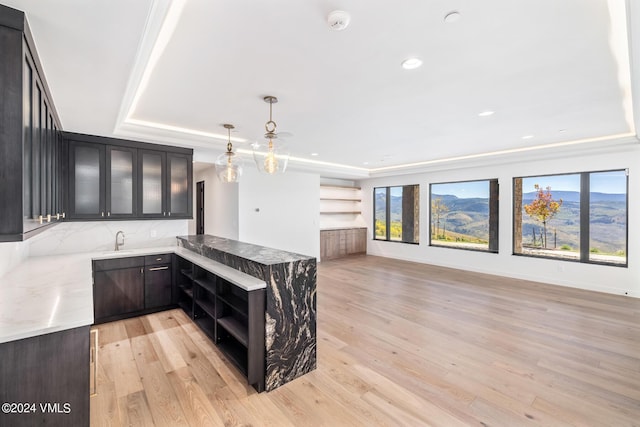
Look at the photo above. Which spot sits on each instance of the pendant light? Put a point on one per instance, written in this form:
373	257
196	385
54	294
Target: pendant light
270	158
228	167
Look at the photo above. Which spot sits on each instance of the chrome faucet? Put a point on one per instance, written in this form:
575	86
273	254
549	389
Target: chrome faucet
117	248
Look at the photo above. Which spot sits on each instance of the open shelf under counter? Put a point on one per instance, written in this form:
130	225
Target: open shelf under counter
286	348
235	328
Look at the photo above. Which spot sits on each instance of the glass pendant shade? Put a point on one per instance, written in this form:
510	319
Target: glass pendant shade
228	165
270	157
271	154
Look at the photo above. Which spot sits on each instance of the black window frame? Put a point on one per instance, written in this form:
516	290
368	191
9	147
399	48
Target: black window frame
584	215
494	216
388	213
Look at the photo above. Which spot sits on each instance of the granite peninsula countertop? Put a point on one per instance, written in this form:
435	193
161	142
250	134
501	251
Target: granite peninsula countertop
249	251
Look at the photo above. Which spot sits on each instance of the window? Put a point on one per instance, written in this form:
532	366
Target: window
464	215
579	217
396	213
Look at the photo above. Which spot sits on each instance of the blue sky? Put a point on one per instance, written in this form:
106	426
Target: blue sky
601	182
463	189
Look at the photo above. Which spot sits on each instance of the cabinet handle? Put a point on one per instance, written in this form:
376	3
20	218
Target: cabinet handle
64	215
169	213
141	270
48	217
40	219
159	268
108	213
102	213
94	360
159	259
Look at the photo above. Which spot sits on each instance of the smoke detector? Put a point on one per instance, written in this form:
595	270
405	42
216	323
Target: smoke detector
338	20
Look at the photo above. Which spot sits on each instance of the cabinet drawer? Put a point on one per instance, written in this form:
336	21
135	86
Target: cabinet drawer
118	263
157	259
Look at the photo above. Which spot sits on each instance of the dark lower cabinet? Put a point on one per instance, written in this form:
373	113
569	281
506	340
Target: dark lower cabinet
127	287
118	287
45	380
157	286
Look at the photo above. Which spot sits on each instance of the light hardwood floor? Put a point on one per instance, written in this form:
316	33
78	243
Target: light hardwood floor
399	343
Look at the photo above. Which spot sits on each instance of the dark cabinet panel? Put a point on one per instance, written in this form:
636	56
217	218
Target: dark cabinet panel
47	369
157	286
131	286
112	178
117	292
86	180
29	155
153	176
121	183
179	185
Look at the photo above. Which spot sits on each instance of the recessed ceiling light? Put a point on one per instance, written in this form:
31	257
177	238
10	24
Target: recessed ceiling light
562	130
486	113
411	63
314	154
527	137
452	16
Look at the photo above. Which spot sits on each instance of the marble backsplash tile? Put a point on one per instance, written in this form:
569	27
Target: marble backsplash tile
12	254
73	237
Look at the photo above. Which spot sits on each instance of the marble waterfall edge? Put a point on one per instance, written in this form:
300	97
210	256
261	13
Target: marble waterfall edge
290	316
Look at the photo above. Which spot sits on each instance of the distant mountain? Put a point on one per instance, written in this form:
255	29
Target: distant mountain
574	196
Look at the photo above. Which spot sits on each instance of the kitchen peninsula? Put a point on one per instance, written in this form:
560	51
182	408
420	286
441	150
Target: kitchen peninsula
290	312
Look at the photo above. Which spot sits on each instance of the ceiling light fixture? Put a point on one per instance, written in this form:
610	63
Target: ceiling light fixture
486	114
452	17
270	158
411	63
338	20
527	137
227	169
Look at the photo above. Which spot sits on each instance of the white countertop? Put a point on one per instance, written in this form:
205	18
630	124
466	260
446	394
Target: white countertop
55	293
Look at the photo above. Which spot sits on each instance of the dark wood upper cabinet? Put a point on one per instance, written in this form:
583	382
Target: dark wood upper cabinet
47	175
30	160
121	182
86	180
179	185
111	178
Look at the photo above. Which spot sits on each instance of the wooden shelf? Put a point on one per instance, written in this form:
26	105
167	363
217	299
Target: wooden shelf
235	302
208	284
187	272
187	291
206	324
235	353
235	328
208	306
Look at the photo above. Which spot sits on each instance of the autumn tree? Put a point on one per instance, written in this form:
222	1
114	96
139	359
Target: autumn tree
543	208
438	209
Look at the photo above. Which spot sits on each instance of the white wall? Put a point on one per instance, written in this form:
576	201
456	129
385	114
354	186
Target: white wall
280	211
587	276
220	205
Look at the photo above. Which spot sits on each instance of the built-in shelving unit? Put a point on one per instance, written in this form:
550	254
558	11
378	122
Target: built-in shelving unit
230	315
336	199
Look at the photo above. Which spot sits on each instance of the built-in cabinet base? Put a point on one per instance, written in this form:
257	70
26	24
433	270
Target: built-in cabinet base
45	380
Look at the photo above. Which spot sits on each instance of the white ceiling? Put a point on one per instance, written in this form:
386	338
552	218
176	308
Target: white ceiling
174	72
